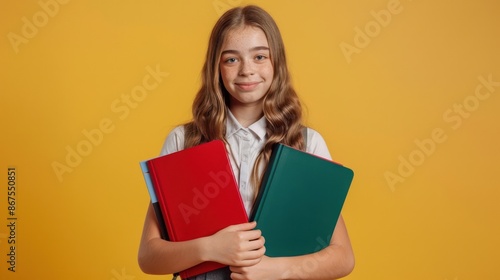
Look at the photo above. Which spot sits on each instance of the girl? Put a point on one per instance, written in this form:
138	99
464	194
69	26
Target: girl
247	100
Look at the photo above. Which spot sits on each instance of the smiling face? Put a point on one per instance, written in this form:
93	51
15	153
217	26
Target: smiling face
245	67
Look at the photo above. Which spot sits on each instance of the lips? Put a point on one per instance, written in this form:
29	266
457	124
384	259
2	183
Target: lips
247	86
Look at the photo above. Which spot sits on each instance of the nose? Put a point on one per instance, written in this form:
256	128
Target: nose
246	68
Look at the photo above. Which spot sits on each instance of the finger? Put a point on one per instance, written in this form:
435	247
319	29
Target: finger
236	276
236	269
242	227
254	254
250	234
245	263
242	270
251	255
253	244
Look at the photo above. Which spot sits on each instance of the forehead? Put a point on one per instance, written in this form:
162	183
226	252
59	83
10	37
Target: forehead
245	37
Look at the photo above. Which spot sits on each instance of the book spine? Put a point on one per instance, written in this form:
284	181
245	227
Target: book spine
161	202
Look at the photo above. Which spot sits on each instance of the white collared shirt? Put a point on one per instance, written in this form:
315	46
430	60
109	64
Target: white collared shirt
244	145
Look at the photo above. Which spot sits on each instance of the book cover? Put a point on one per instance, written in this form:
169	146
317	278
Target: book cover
300	201
197	195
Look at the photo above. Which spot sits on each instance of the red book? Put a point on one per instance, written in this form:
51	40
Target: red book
197	195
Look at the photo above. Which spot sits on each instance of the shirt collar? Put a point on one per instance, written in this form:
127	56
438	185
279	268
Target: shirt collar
258	128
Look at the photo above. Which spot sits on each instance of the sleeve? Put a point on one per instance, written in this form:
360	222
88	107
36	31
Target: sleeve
174	141
316	144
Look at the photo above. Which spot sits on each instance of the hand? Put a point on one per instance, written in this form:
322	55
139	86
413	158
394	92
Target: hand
265	269
237	245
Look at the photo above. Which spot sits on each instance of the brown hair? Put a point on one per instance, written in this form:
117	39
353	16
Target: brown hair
281	105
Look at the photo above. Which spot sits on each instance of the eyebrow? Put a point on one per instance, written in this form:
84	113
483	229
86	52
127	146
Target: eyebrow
258	48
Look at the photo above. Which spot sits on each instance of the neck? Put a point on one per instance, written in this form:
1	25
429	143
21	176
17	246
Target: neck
246	115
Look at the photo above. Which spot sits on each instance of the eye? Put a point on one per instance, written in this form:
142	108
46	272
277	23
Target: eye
260	57
230	60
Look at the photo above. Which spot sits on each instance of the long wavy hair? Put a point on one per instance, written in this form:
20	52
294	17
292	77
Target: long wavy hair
281	105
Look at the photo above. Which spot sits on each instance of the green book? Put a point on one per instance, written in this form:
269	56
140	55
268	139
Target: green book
299	202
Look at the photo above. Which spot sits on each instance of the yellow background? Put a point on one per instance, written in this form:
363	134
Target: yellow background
439	221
